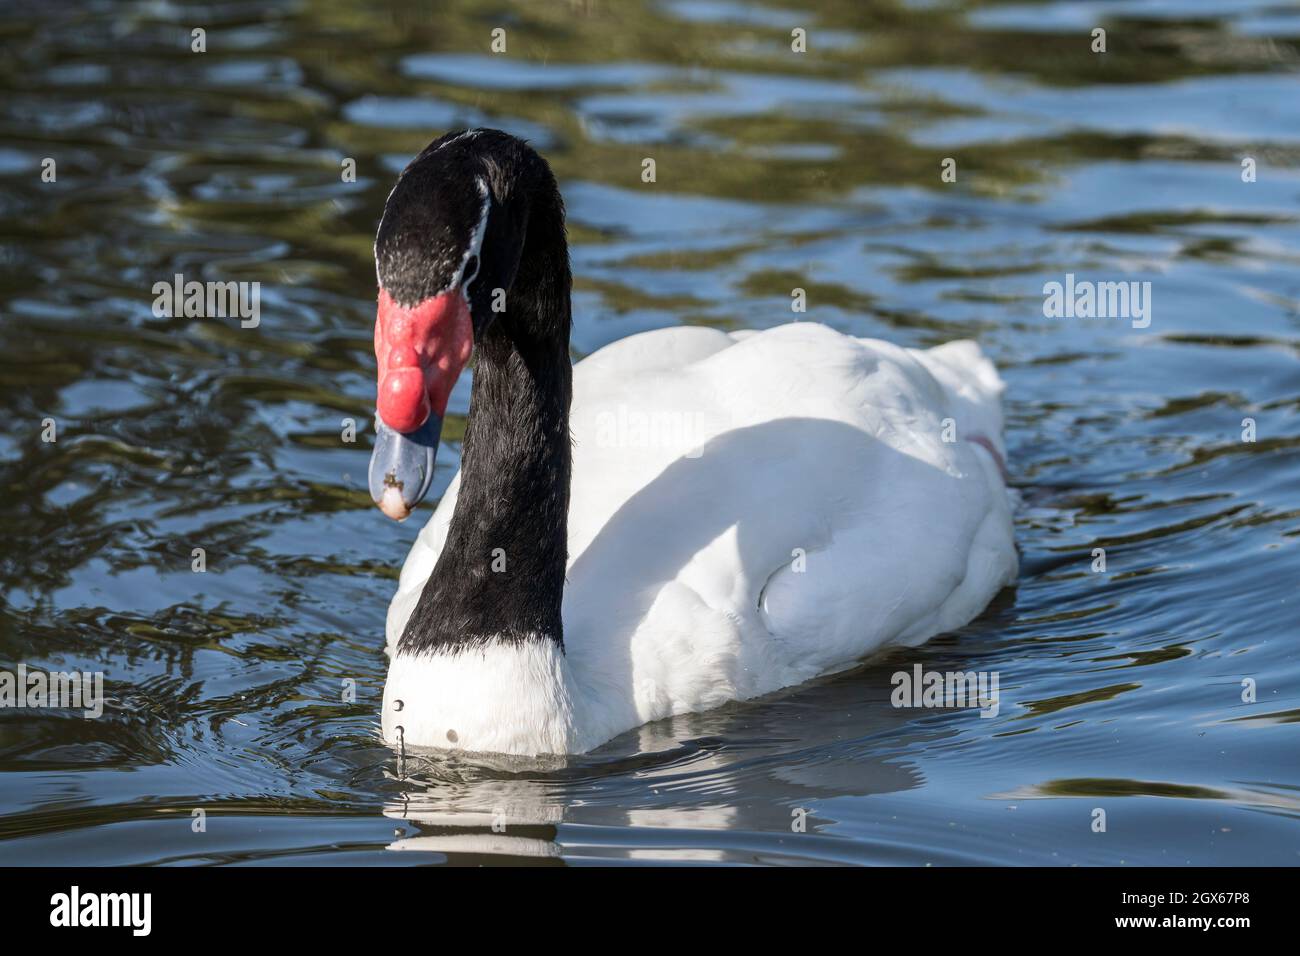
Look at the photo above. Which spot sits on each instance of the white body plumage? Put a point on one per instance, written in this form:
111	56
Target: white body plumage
748	511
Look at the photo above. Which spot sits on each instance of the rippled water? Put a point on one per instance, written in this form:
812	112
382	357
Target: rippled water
1120	690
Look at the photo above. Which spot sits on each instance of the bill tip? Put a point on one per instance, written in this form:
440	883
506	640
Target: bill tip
392	504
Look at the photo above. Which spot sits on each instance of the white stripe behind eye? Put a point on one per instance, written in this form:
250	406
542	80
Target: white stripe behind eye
475	240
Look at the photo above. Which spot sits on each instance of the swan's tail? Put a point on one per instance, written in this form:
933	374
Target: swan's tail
967	370
975	391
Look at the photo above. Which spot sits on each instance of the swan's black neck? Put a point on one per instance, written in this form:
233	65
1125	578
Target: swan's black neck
501	572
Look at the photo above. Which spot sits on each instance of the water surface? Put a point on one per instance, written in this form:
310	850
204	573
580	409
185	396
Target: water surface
1120	690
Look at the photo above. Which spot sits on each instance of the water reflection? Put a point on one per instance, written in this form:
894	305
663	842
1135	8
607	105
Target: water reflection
722	782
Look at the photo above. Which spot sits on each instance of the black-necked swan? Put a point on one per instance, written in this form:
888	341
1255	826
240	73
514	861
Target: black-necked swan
684	518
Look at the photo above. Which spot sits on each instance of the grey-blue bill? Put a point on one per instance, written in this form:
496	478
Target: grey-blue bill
401	466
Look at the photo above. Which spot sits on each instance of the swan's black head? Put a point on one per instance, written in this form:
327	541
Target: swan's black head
446	256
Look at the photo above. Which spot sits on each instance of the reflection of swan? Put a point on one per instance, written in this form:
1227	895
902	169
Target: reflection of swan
748	511
479	843
716	786
480	816
479	799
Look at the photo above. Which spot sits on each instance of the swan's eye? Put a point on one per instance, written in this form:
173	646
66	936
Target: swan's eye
471	270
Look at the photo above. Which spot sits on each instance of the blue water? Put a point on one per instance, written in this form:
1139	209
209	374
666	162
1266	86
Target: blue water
1121	691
